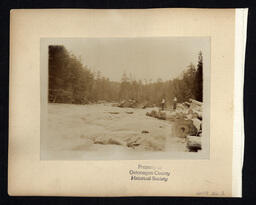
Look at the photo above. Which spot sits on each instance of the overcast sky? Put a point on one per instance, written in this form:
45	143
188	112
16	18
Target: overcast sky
143	58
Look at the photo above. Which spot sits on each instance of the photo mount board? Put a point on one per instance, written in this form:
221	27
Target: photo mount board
219	176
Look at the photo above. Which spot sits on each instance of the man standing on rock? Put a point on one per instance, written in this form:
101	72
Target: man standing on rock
163	103
174	103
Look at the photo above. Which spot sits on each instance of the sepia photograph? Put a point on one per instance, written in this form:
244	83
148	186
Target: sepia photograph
125	98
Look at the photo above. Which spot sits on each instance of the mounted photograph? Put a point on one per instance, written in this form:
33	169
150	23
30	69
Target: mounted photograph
126	102
125	98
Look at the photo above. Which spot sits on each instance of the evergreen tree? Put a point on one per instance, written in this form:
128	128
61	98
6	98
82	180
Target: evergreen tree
72	82
199	79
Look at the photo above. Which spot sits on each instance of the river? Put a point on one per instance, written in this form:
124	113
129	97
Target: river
102	131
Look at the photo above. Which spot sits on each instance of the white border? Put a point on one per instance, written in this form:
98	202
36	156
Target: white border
238	140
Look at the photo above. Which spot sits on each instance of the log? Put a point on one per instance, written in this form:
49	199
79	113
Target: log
159	115
153	113
197	123
115	105
194	114
195	102
181	106
187	104
162	115
114	141
194	143
171	116
114	113
198	114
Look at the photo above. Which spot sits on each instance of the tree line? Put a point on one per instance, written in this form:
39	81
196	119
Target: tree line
72	82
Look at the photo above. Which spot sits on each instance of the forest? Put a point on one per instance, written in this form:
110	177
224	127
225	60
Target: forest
71	82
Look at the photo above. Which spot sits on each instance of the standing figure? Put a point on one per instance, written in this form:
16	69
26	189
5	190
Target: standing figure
163	103
174	103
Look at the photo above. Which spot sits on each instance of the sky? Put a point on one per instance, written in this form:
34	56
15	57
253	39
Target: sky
141	58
